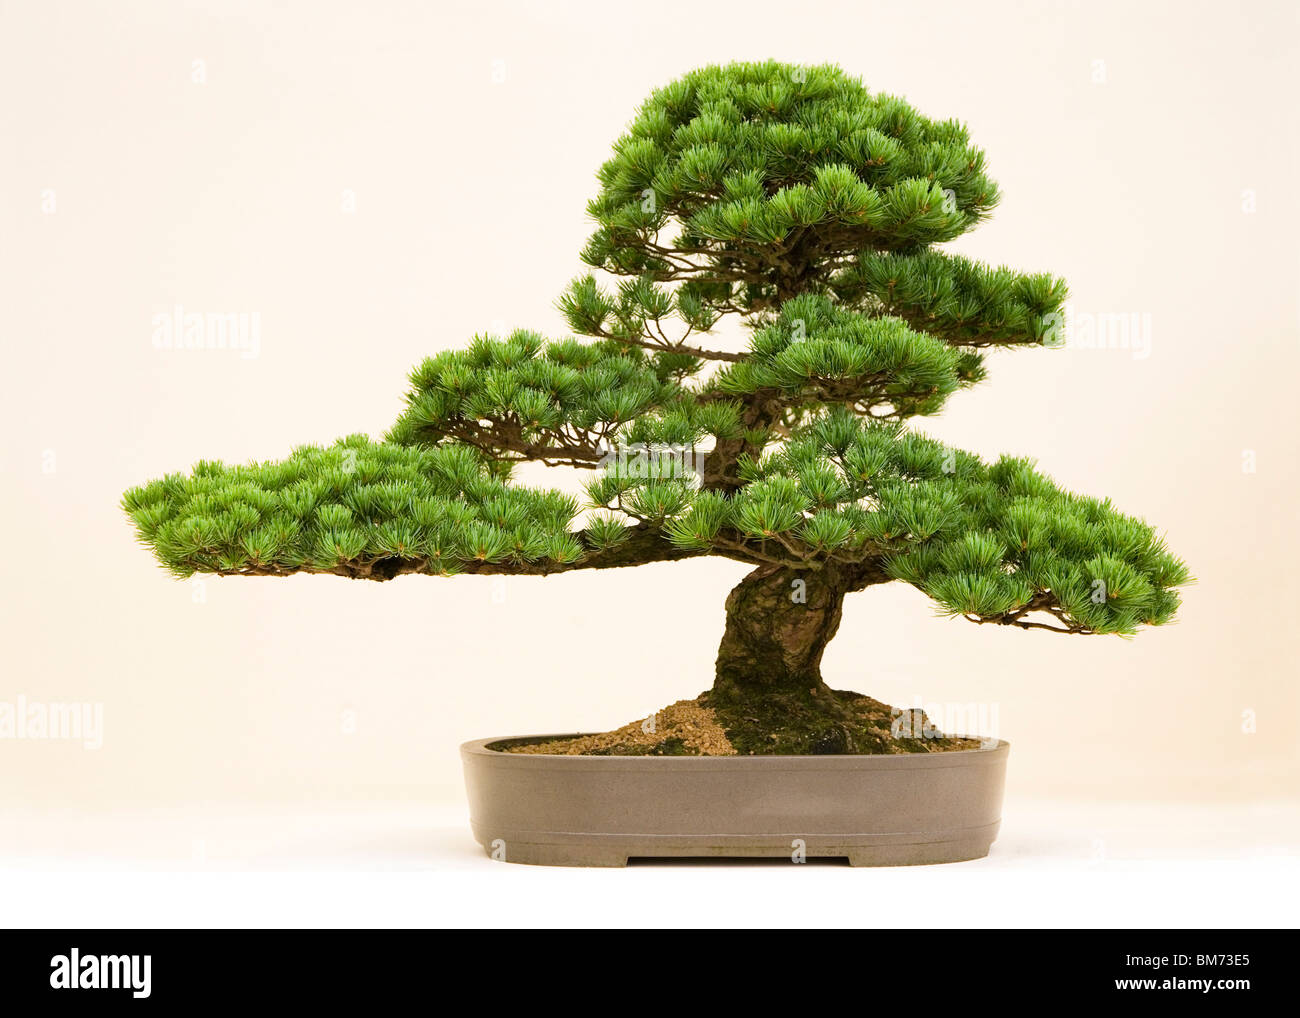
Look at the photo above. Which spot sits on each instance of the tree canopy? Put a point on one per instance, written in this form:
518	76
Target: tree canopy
798	200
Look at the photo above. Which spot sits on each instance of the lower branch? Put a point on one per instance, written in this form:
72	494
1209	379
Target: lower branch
642	546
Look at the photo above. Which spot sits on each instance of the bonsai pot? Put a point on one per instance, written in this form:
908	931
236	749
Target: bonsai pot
880	810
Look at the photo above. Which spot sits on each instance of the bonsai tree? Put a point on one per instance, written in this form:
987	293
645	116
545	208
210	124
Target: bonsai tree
812	210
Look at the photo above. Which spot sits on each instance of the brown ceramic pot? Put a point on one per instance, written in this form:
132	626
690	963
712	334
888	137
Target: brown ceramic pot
891	810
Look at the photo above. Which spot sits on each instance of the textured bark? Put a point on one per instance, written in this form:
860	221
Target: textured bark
779	621
761	409
768	694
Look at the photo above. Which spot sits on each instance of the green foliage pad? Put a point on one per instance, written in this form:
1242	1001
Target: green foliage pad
811	209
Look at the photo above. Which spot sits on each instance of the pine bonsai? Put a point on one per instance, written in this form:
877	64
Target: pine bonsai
810	208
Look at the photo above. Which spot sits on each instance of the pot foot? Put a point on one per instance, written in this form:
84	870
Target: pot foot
920	855
532	854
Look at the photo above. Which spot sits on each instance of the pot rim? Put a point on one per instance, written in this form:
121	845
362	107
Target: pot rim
478	749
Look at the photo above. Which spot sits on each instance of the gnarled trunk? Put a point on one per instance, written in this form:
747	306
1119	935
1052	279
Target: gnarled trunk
768	693
779	621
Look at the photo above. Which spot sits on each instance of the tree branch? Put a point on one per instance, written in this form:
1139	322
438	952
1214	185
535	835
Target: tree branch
642	546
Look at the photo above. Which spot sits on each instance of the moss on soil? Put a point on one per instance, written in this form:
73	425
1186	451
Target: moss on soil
816	722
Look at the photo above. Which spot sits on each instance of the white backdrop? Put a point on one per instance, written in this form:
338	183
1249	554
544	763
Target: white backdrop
379	181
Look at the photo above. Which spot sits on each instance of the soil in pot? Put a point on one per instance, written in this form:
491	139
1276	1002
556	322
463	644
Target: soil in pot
792	722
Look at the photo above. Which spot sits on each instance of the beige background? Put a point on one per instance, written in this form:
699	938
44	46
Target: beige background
228	194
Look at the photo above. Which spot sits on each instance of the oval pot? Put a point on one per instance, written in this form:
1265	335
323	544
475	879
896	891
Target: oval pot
885	810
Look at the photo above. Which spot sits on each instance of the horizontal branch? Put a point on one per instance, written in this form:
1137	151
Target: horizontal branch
1042	602
642	546
671	347
502	440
